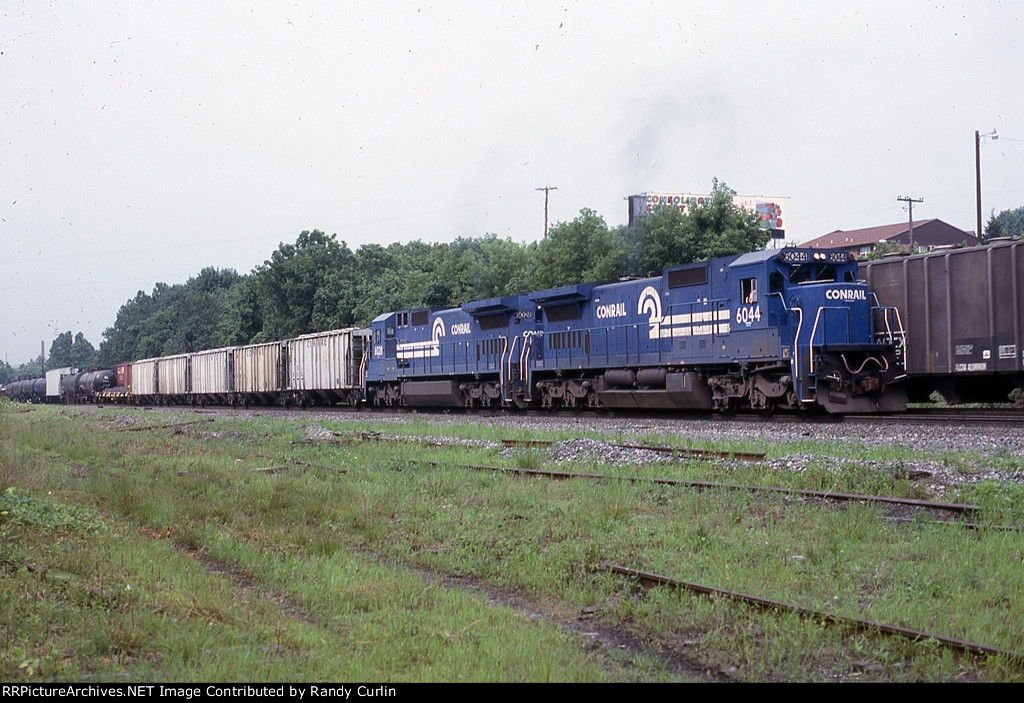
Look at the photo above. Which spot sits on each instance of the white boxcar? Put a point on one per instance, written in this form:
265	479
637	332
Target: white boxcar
258	368
326	365
211	372
53	377
144	378
172	375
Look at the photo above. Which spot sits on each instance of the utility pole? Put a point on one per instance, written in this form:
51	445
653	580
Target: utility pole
977	171
910	205
546	189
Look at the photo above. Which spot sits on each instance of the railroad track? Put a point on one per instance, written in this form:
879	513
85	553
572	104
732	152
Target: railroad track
975	416
649	579
933	506
677	452
991	416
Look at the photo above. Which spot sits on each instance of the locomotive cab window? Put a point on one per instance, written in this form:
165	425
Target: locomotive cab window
748	290
811	273
776	282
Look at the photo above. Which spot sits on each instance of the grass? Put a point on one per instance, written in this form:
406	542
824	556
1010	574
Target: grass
159	555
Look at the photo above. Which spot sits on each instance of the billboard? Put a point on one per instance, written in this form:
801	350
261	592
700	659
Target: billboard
769	209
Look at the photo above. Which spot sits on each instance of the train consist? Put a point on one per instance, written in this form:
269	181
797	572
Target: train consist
787	328
790	328
963	311
62	385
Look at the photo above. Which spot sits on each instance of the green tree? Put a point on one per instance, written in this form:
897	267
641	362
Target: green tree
577	252
885	247
67	351
33	368
379	286
83	353
194	315
241	320
60	351
6	373
1008	223
288	282
487	267
710	229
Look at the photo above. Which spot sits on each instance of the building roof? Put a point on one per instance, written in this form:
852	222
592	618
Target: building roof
863	237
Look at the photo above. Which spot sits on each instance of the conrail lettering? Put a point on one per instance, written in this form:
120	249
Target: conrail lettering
846	294
461	328
611	310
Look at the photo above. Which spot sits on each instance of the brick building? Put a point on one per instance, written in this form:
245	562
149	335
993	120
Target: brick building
928	234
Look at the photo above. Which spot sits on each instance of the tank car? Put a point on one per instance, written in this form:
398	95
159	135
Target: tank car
84	386
963	311
27	390
790	328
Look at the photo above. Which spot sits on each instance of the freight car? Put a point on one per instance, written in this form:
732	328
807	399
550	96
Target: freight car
67	385
324	367
963	311
790	328
27	390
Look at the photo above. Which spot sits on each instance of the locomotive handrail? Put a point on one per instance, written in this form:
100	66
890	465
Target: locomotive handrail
890	336
501	367
795	361
814	330
506	378
524	361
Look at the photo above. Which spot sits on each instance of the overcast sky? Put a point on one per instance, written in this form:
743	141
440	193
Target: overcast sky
143	141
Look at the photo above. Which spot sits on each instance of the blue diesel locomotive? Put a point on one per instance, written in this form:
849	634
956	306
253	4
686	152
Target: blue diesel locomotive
787	328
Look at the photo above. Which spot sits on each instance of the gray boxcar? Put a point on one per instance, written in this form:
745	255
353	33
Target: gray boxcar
173	378
327	366
143	379
211	375
258	372
963	313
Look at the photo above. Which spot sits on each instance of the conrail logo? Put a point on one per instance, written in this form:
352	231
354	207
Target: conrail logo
456	328
650	304
611	310
846	294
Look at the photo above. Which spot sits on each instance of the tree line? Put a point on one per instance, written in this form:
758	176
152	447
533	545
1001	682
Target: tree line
318	283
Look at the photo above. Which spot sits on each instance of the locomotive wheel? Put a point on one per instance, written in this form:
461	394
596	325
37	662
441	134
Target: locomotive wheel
762	403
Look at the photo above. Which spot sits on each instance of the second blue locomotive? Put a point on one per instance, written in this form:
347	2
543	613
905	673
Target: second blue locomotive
786	328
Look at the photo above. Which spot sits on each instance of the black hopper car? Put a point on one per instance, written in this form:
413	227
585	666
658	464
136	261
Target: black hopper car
963	315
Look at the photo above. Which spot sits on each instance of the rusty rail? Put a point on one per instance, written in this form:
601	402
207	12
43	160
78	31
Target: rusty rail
163	427
824	615
824	495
